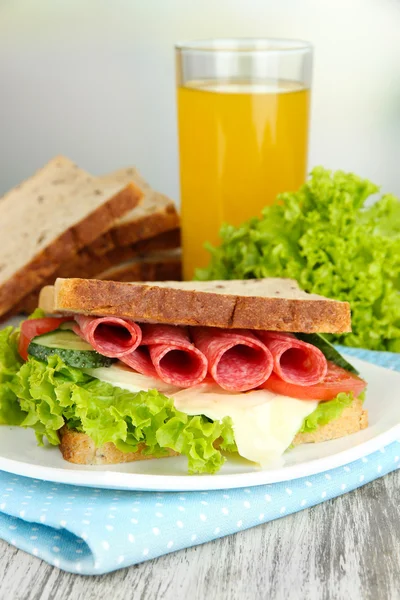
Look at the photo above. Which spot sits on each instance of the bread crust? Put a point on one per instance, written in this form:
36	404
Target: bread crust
207	303
162	268
80	449
156	214
130	232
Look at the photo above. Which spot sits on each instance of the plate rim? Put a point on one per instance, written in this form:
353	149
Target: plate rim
177	483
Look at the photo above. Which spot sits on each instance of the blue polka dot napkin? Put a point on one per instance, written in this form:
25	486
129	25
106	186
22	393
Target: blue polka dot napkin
93	531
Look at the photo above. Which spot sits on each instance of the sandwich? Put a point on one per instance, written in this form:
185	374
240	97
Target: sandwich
115	372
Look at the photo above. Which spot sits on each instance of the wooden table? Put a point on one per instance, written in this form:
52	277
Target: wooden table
346	548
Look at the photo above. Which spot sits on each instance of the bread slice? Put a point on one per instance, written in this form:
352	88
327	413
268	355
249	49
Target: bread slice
80	449
272	304
51	216
156	214
88	265
352	419
159	266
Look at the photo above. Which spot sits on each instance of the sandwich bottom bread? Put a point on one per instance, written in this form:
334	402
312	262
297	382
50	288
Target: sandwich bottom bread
116	372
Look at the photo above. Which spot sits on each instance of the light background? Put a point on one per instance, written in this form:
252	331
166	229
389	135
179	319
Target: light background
94	80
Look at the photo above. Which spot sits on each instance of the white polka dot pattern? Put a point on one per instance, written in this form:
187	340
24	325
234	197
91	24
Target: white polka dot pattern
106	530
93	531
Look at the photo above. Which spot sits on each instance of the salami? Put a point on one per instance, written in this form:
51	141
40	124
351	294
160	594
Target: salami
295	361
237	360
167	352
110	336
140	361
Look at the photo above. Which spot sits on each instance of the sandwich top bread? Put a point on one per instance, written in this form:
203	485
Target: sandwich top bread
276	304
110	378
50	217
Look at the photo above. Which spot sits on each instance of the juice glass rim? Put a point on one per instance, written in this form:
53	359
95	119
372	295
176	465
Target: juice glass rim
246	45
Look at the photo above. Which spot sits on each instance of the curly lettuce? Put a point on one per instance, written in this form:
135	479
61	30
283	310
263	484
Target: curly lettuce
334	243
327	411
53	394
10	364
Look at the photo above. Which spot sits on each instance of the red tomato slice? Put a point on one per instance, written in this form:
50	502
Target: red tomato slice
336	380
34	327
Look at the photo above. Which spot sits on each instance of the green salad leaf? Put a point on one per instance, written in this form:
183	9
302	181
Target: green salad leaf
10	364
53	393
328	238
327	412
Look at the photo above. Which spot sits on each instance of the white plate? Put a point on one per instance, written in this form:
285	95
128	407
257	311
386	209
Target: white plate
20	455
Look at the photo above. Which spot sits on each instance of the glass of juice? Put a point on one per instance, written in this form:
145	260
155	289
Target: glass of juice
243	113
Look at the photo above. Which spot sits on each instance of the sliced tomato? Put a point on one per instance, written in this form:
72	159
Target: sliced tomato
34	327
336	380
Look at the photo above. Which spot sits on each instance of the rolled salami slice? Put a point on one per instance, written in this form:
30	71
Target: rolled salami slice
295	361
140	360
166	351
237	360
110	336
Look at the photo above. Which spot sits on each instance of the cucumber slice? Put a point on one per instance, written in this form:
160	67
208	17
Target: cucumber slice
330	352
72	349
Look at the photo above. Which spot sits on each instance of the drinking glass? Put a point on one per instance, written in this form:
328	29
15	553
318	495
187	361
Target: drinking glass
243	115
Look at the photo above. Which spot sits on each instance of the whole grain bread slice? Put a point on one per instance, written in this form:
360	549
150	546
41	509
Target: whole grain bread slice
271	304
87	265
353	418
51	216
159	266
156	214
80	449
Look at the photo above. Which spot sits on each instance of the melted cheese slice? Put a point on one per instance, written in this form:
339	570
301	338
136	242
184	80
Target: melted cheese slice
264	423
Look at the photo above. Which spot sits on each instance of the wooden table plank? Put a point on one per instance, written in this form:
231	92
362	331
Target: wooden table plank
344	548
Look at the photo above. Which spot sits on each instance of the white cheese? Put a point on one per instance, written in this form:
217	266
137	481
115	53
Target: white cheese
122	376
264	423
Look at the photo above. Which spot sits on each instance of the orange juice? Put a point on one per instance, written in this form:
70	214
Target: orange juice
240	145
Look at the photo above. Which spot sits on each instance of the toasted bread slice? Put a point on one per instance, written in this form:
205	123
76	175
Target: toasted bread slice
79	448
272	304
90	266
50	217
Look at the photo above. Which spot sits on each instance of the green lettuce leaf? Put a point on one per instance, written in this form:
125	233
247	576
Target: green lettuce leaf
333	243
327	412
38	313
10	361
53	393
10	364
